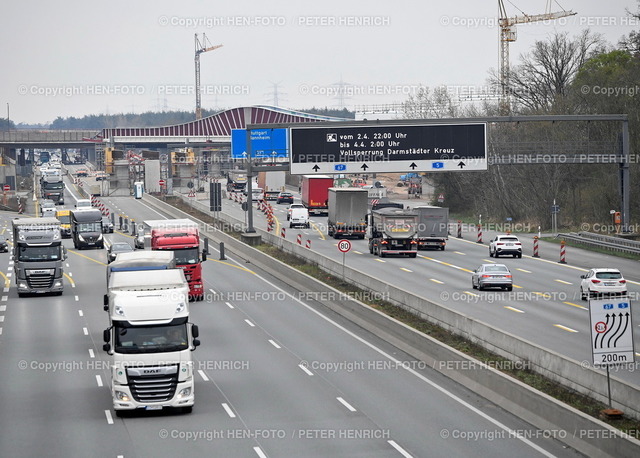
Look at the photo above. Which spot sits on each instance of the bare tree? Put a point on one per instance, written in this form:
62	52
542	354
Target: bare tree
426	104
547	71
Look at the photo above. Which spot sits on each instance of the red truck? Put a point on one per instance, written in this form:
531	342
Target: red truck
315	193
183	238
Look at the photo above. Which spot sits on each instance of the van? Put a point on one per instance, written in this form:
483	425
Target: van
299	216
64	216
83	203
256	194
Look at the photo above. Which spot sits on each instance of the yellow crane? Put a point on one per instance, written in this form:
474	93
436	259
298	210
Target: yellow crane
201	47
508	34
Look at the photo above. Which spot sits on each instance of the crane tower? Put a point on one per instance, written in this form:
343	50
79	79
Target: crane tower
201	47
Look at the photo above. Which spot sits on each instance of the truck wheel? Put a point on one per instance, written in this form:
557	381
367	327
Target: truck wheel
442	247
413	255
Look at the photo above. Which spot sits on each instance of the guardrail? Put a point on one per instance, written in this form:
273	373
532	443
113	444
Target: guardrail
601	241
586	434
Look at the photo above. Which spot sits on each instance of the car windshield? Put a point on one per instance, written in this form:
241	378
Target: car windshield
90	227
496	269
39	253
608	275
508	239
150	339
187	256
121	247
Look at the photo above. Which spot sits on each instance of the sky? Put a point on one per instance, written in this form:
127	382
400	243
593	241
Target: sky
75	58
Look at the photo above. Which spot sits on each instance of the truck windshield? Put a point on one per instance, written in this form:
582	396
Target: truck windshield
186	256
56	185
39	253
90	227
64	219
150	339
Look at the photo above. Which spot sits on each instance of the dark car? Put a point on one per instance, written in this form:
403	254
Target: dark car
107	225
4	245
284	198
117	247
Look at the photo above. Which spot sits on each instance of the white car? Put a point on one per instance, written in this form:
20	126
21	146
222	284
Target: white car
602	281
299	217
291	208
505	244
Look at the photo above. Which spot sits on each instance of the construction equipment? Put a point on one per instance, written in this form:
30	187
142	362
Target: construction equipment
200	48
508	34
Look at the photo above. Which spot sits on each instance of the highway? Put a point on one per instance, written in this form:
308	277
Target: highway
277	375
544	307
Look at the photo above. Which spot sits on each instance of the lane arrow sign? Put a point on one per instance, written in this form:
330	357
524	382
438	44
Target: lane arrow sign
364	167
315	168
461	164
413	165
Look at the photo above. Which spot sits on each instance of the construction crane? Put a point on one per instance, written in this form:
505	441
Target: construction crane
201	47
508	34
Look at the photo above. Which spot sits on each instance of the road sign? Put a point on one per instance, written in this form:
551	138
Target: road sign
344	245
265	143
6	187
161	182
388	148
440	198
555	209
611	331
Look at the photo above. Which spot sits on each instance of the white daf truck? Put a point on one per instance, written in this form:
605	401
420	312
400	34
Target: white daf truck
150	339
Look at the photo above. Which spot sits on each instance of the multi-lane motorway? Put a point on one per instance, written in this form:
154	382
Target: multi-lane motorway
275	375
544	307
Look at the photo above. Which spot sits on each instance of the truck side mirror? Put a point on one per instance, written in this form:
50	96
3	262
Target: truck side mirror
106	335
64	253
105	300
196	343
195	332
106	347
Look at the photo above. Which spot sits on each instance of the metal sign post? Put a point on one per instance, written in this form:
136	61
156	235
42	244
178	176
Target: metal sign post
344	246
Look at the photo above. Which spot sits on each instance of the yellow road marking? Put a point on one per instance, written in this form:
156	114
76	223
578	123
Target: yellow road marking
406	270
436	281
7	282
70	279
565	282
380	260
545	295
576	305
564	328
460	253
86	257
523	270
315	227
471	294
514	309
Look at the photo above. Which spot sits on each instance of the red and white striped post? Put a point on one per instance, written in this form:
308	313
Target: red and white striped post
283	233
299	239
562	253
459	229
479	233
535	247
308	244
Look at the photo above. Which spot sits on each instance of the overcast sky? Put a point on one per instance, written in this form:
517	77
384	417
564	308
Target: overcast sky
78	57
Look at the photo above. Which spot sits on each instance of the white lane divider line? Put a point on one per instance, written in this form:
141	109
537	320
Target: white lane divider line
99	380
272	342
203	375
229	305
259	452
346	404
227	409
249	323
91	354
304	368
85	331
109	417
80	313
402	451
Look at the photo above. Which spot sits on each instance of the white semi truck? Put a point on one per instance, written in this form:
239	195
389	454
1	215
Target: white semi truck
150	339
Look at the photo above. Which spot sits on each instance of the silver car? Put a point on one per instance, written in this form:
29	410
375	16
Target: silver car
492	276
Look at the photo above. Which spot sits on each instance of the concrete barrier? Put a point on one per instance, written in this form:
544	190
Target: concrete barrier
582	432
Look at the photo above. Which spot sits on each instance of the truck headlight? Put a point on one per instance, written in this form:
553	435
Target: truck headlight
184	393
122	396
22	285
57	284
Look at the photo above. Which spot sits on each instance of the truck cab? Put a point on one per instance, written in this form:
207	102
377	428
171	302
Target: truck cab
86	228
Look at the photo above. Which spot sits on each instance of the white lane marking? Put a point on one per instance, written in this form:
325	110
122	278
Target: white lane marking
9	274
564	328
513	308
460	253
80	313
3	308
109	417
203	375
4	298
565	282
70	274
301	366
86	331
402	451
227	409
1	318
576	305
0	331
249	323
405	269
523	270
346	404
229	305
273	343
380	260
259	452
431	383
99	380
5	290
91	354
77	298
357	252
437	281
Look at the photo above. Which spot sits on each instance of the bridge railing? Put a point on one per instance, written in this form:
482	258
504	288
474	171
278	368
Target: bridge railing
44	135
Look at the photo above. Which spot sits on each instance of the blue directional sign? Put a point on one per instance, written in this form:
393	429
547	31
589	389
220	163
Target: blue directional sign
437	165
265	143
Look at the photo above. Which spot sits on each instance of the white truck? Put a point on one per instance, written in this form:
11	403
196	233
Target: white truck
433	226
273	183
150	339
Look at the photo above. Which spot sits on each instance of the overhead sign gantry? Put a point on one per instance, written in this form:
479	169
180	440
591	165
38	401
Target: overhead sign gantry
388	148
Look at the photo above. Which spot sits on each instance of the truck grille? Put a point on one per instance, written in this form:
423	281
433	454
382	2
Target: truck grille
153	388
40	281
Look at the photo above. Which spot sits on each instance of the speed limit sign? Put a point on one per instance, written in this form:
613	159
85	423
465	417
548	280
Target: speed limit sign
344	245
